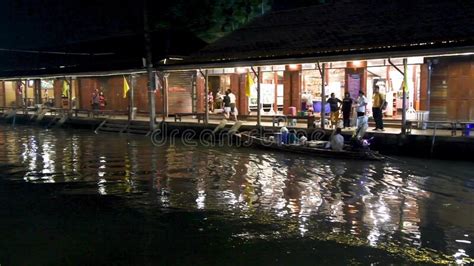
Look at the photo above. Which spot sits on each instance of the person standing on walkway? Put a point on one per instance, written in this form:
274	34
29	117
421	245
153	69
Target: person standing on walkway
377	103
361	106
219	98
233	100
102	101
95	101
226	103
347	109
334	104
210	100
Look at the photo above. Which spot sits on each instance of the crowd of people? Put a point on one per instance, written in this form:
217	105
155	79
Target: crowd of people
98	101
225	103
360	104
347	105
378	105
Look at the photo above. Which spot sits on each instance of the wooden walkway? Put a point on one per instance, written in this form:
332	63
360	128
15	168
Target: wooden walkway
392	126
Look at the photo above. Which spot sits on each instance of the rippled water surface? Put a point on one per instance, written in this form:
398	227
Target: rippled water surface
73	197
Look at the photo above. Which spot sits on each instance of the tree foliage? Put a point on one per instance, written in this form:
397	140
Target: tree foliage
208	19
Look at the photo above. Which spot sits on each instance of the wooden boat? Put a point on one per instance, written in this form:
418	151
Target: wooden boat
361	154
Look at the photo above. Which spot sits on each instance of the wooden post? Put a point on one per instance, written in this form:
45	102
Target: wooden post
275	100
70	95
322	71
151	97
132	95
165	95
206	87
3	97
259	99
404	93
430	73
37	91
25	99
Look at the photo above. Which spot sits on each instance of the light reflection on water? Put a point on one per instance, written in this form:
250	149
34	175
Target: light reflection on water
378	203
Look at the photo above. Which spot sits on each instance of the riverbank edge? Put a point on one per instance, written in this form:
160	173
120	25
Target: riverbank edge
421	146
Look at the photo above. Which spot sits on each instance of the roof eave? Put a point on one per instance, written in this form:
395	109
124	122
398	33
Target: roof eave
319	58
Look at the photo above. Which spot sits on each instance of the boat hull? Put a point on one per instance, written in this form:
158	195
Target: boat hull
312	151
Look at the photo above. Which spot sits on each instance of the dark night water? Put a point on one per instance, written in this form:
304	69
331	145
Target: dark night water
73	197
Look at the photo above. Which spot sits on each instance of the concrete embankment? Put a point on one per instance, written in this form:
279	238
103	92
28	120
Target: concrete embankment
443	147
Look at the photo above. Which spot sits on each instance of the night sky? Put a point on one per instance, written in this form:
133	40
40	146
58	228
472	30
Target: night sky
45	23
50	23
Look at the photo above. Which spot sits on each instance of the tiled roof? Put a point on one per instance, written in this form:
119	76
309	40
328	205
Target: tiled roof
347	26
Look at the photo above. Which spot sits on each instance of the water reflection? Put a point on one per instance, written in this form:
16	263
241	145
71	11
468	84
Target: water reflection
376	203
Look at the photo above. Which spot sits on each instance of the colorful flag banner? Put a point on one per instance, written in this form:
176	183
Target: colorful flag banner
126	88
248	84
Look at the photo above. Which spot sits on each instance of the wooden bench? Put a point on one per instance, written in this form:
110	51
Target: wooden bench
452	125
179	116
81	111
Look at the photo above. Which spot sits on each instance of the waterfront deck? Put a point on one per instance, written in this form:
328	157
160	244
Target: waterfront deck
393	126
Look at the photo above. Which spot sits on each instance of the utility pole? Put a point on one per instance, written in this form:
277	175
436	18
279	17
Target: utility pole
149	65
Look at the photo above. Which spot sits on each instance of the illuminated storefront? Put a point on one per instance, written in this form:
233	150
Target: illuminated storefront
278	84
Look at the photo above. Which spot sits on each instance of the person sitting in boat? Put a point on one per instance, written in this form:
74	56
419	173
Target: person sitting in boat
302	140
337	140
284	135
292	137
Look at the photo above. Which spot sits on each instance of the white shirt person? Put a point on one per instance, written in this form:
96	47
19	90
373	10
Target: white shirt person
361	104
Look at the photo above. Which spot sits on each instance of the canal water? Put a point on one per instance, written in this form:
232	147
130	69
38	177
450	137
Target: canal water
75	197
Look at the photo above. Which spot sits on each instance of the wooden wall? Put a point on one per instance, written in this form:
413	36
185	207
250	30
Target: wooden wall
291	89
86	87
2	94
452	90
238	88
201	94
424	97
10	93
18	95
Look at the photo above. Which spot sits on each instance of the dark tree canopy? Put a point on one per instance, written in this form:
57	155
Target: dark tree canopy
209	19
